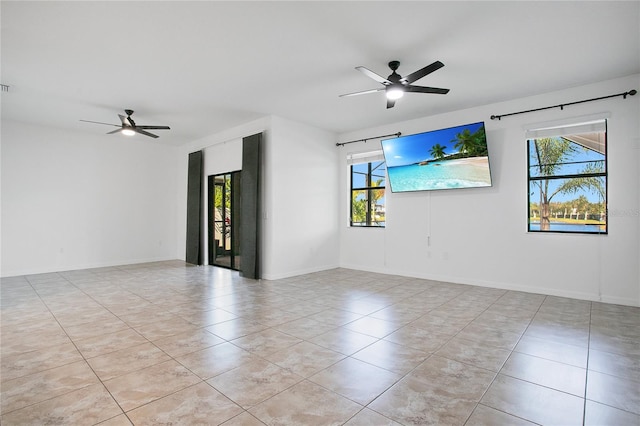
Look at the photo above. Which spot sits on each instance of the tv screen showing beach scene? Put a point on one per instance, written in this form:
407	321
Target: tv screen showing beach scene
456	157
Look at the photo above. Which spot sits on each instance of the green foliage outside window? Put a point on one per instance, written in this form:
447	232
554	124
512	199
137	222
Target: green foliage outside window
367	194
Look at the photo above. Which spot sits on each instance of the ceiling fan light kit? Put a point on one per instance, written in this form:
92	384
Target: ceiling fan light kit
129	127
395	85
394	93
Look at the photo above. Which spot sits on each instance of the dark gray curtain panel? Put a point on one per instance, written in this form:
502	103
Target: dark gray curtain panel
194	252
250	206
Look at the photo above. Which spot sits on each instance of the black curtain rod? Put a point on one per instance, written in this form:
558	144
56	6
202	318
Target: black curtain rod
561	106
367	139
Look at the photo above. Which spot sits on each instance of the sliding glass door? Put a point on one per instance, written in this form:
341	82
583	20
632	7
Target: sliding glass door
224	220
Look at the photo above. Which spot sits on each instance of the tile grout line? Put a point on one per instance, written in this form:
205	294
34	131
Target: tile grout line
586	372
510	353
124	412
84	359
87	362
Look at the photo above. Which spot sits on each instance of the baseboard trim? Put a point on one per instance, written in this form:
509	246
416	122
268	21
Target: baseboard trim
502	286
46	270
289	274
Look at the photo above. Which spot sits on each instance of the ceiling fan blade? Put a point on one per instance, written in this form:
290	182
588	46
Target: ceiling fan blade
143	132
363	92
154	127
390	103
98	122
421	89
422	72
129	124
373	75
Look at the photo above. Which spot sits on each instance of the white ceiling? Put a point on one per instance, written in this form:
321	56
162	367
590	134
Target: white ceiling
203	67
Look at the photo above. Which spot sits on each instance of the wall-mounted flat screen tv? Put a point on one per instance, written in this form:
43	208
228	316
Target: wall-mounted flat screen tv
456	157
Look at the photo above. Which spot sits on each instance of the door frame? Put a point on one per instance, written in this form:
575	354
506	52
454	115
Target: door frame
234	223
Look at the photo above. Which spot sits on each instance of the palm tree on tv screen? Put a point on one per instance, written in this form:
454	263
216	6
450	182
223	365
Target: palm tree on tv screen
472	144
437	151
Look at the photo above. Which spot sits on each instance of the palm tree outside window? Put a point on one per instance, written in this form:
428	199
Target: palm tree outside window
567	178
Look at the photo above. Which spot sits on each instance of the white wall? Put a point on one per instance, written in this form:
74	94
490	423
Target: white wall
478	236
223	158
74	200
301	204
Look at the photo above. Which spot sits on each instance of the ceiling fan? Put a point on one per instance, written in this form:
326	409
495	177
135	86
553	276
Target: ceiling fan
129	127
395	85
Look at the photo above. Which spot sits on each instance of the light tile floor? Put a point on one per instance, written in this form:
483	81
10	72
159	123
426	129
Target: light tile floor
171	343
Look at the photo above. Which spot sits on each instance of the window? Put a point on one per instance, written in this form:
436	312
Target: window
567	179
367	203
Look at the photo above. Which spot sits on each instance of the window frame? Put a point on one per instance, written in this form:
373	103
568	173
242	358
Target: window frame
557	177
370	221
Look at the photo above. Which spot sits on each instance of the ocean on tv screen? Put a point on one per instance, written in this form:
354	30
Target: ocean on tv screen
452	174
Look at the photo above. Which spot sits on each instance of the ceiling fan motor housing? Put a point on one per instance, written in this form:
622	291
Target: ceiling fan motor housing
394	78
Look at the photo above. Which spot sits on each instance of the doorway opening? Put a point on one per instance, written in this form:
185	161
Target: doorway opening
224	220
